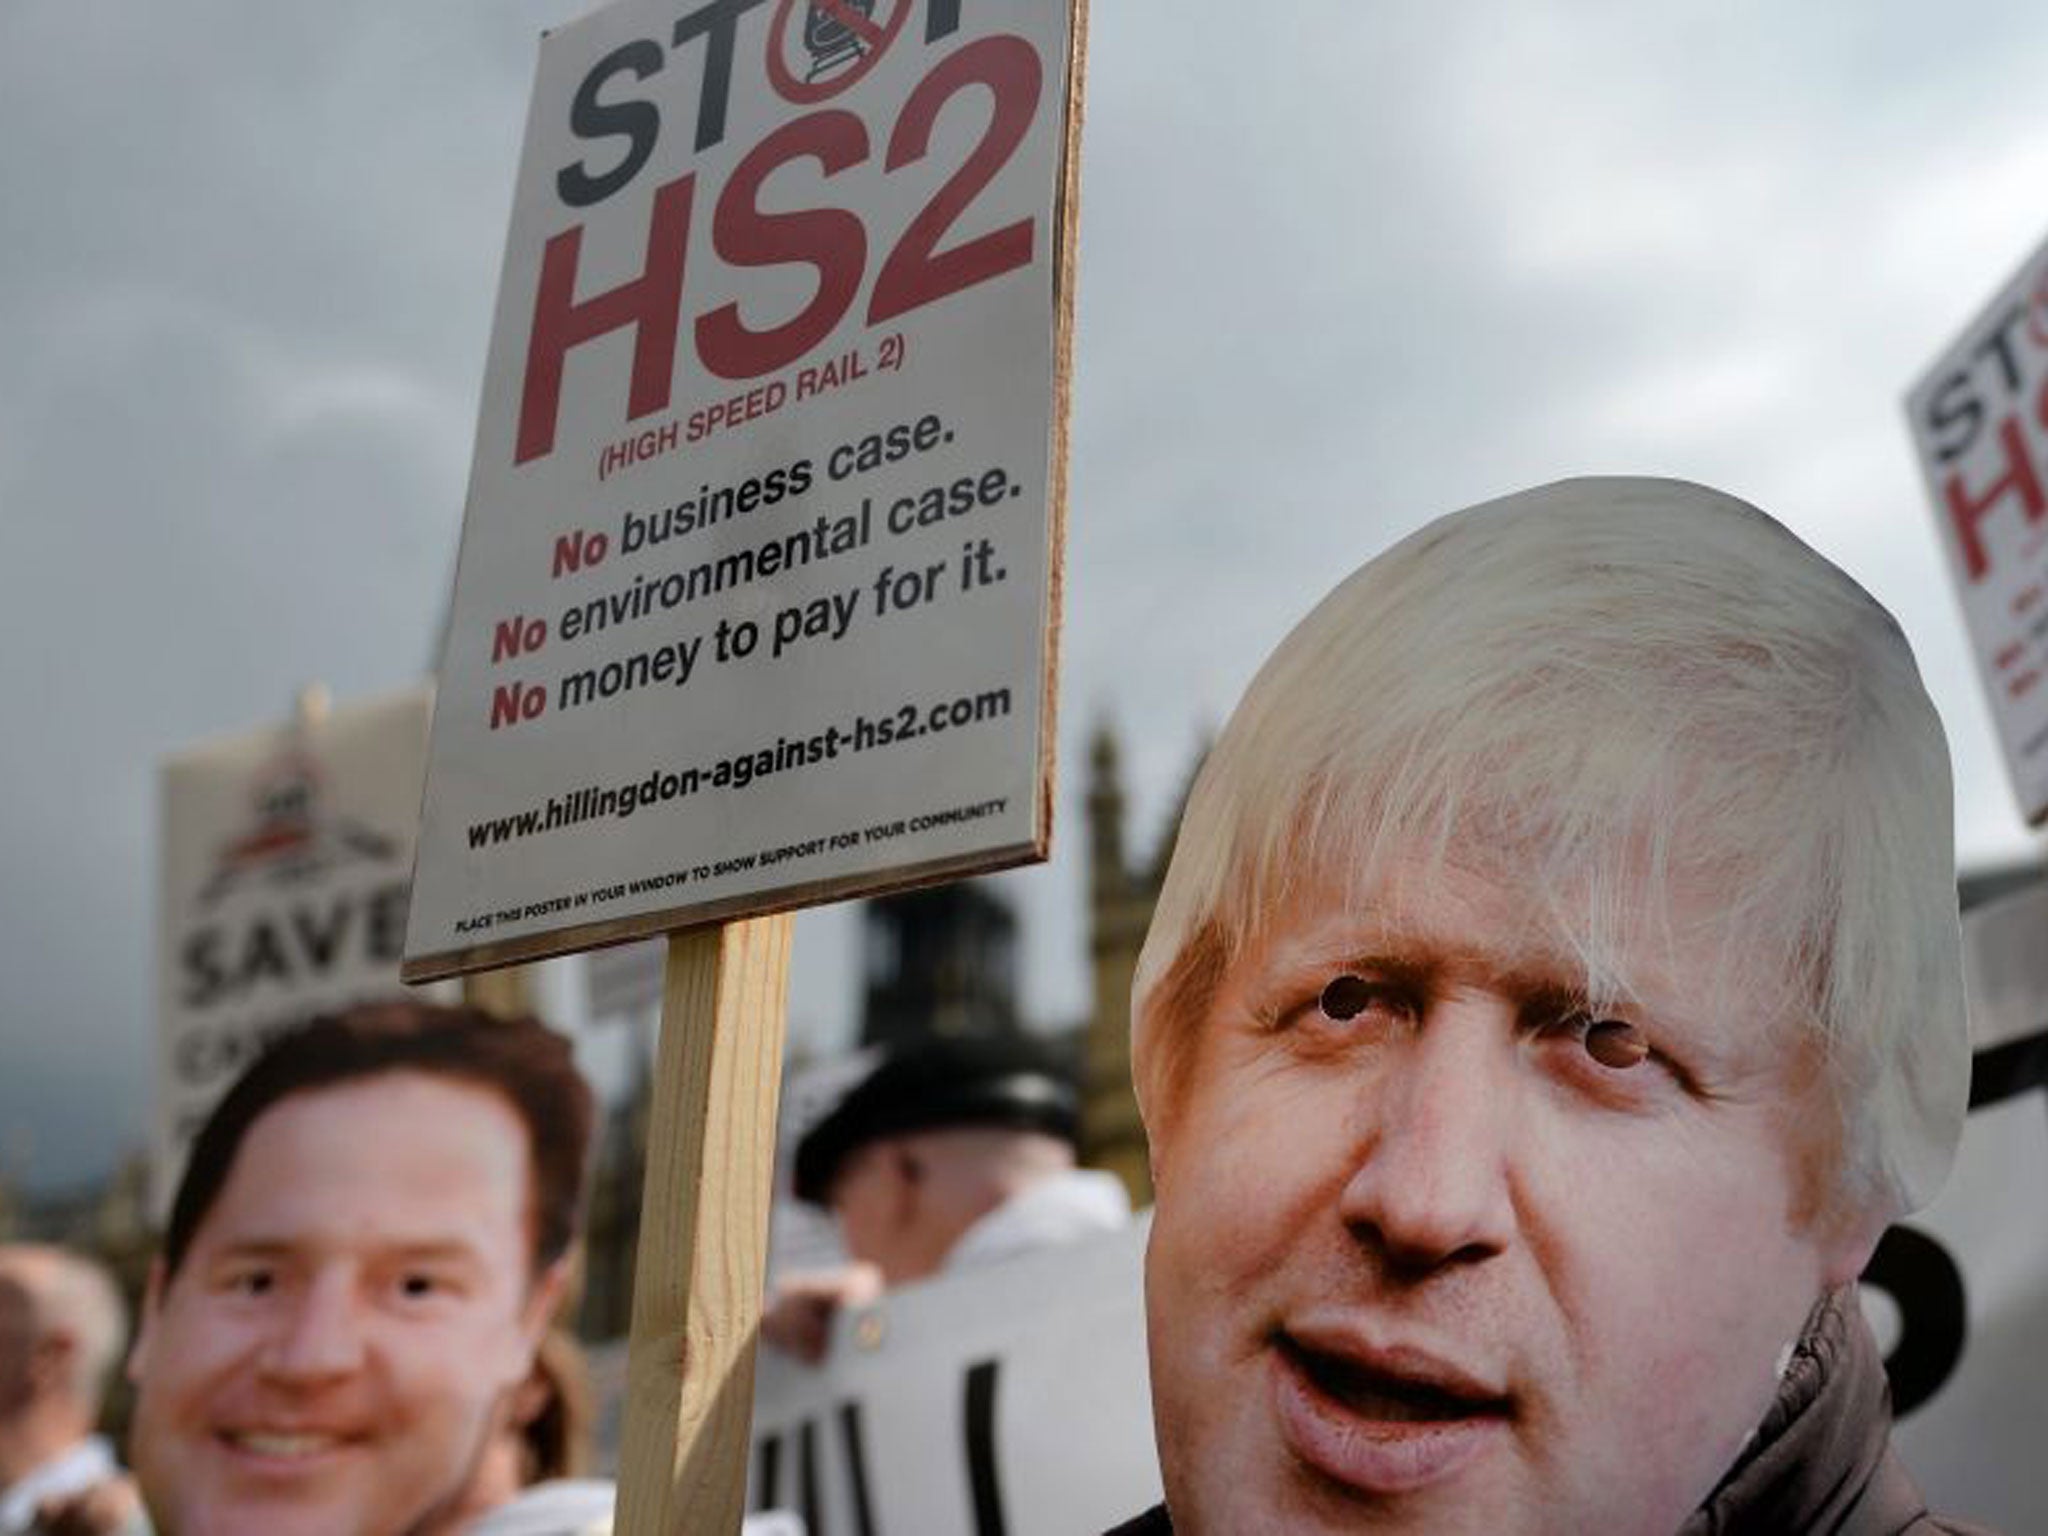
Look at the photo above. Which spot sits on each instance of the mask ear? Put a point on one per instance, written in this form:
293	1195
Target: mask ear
145	1326
536	1311
543	1301
1849	1247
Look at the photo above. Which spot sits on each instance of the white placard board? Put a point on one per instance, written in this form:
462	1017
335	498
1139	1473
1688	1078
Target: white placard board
1979	1264
2005	966
1979	418
759	567
1011	1399
286	861
1967	1278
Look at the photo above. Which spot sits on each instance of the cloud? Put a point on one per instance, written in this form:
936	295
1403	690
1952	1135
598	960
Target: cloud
1336	276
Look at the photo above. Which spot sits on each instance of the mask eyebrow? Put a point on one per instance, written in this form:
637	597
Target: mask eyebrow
400	1249
241	1251
1520	966
438	1251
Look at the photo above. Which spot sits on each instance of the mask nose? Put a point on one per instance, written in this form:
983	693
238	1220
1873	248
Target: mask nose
1431	1184
321	1334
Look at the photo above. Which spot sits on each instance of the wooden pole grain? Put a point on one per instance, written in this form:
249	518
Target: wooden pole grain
704	1231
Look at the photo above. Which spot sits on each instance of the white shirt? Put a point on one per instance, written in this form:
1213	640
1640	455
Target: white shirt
1063	1208
582	1506
88	1462
564	1507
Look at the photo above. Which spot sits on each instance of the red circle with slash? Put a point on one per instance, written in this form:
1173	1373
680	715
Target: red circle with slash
873	37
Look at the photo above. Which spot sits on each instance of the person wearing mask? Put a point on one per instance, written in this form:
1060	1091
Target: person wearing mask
369	1240
1555	992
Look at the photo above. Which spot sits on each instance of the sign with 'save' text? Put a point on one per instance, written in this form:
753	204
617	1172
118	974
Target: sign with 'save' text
287	854
1980	422
759	563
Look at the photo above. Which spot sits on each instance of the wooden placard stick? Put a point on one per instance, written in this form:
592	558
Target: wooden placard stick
704	1231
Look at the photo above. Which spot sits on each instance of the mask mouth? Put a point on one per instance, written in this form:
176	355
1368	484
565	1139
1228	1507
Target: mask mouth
1395	1391
286	1446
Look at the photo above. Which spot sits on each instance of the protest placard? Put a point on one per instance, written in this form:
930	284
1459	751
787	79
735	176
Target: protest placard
758	587
1008	1398
287	853
1011	1399
759	569
1979	417
1960	1290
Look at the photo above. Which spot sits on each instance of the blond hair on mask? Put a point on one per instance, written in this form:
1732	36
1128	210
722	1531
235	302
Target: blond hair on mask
1598	690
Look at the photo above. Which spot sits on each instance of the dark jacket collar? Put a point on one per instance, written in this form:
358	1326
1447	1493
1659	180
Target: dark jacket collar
1822	1458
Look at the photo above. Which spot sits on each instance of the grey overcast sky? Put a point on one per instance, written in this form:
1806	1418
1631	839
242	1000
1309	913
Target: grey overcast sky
1343	267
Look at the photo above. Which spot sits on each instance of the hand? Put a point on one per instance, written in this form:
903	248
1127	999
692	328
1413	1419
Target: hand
798	1316
111	1507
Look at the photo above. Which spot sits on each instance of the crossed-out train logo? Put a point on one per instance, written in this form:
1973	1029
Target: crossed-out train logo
293	837
837	33
817	48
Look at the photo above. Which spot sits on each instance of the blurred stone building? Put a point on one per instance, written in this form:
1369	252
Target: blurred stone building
1123	887
938	961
